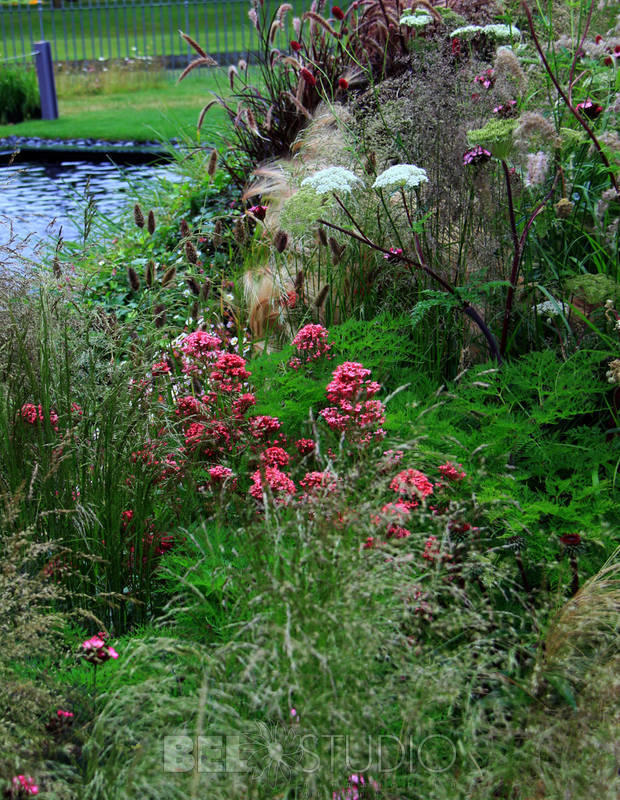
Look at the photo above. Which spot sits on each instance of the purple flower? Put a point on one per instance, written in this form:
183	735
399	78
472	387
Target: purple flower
477	155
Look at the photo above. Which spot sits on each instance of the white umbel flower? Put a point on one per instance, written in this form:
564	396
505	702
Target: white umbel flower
416	19
332	179
502	32
401	176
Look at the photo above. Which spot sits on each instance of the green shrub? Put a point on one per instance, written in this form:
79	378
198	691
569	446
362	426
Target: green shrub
19	94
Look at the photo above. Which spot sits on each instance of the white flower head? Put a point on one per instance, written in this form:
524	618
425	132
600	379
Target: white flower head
504	32
416	19
466	32
332	179
401	176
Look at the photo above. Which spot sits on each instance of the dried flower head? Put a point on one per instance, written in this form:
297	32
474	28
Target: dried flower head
138	216
150	225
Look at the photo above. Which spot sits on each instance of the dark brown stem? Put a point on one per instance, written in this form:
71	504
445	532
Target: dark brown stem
519	243
569	105
571	82
466	308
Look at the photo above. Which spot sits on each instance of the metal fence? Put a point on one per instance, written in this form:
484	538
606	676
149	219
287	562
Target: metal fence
133	30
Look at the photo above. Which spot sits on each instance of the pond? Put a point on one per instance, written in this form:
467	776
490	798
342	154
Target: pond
40	198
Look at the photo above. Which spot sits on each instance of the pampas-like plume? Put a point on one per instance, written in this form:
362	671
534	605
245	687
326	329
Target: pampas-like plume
185	231
169	276
212	164
232	72
336	249
159	314
149	274
321	236
150	224
193	285
217	233
322	296
203	113
191	253
299	281
134	280
56	268
138	216
205	289
239	231
281	241
322	22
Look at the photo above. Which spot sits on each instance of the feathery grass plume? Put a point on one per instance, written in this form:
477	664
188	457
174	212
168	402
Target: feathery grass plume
232	72
273	30
533	128
185	231
322	296
56	268
242	65
212	163
195	311
281	241
337	250
191	252
282	11
169	276
249	115
370	167
193	285
312	15
217	234
205	290
138	216
150	223
203	113
134	280
299	281
149	273
159	315
321	236
508	69
240	231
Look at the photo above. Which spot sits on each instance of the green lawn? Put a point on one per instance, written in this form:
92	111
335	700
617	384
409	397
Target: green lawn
155	112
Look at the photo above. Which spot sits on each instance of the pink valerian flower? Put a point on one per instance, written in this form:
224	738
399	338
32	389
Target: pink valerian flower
221	475
318	483
305	446
61	714
279	483
34	414
188	406
412	483
22	786
260	212
307	76
451	471
289	300
350	382
369	543
201	345
477	155
311	342
398	532
160	368
229	372
243	403
391	513
194	434
96	651
275	457
432	551
77	409
263	426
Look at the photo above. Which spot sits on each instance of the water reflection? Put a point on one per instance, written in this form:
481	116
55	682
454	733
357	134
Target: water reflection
39	198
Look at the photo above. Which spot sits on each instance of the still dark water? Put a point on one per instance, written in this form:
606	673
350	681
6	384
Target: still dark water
40	198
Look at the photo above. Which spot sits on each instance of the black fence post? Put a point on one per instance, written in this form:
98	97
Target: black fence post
45	74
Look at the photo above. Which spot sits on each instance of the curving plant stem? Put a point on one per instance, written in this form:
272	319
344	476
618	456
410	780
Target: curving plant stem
465	307
566	98
518	244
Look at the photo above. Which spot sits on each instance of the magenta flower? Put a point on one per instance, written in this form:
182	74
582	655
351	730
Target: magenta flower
477	155
96	651
260	212
589	109
22	786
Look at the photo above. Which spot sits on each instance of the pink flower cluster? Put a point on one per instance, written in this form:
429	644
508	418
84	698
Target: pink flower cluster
22	786
201	345
410	484
96	651
279	483
451	471
355	789
355	414
432	551
34	414
311	343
